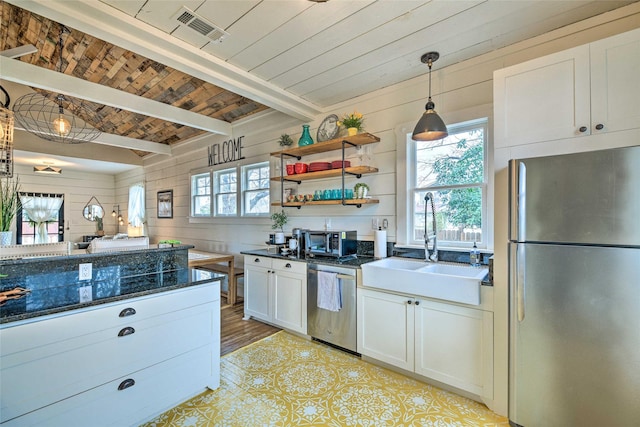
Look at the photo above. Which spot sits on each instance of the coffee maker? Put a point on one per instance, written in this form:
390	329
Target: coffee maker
298	234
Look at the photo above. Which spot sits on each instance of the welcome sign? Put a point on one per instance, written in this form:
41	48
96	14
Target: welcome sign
225	152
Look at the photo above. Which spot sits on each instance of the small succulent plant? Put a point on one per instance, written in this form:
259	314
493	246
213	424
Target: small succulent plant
285	140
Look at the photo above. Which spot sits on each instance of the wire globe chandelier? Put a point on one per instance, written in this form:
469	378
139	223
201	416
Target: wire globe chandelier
55	117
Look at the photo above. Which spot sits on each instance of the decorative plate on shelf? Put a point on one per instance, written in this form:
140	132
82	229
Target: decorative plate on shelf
328	129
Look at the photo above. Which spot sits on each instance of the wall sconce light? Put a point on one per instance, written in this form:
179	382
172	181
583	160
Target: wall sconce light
430	127
47	169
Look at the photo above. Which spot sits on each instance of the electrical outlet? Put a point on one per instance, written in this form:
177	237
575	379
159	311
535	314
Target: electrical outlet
84	272
86	293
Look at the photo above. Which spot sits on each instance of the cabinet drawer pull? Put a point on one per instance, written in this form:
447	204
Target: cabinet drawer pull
129	311
288	265
129	382
256	260
582	129
599	126
126	331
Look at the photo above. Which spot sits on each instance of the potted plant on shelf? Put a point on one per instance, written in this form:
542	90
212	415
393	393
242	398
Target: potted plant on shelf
279	220
168	243
353	122
285	140
361	190
8	207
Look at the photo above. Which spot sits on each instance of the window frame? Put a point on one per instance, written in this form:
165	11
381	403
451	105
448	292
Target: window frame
193	196
405	176
245	170
20	219
239	193
216	191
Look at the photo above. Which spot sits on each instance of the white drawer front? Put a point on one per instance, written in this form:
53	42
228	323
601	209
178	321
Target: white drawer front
290	266
154	390
33	333
258	261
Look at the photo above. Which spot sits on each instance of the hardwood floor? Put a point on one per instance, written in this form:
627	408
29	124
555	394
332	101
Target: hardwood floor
235	332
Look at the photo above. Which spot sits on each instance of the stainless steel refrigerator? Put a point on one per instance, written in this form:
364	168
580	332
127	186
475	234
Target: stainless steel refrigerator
574	274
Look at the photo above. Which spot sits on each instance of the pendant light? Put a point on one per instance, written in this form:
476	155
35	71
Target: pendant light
430	127
55	117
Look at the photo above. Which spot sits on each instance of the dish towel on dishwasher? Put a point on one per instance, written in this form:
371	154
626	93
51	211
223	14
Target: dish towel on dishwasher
329	291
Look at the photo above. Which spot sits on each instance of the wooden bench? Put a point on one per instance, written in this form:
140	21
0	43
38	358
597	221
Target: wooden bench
233	280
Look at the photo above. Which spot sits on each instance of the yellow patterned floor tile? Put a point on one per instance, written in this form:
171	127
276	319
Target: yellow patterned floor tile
284	380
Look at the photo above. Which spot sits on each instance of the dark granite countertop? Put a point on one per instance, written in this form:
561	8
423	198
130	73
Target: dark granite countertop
65	297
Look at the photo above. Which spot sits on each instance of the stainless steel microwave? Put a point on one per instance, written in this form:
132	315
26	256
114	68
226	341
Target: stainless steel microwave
335	244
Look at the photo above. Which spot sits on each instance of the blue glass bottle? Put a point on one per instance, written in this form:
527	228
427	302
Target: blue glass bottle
305	138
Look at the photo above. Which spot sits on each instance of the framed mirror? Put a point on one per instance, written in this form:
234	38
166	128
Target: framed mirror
93	210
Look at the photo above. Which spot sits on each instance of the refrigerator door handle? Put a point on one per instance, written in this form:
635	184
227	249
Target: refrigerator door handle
518	273
517	187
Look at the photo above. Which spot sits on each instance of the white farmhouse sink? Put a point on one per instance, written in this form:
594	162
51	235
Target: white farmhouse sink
458	283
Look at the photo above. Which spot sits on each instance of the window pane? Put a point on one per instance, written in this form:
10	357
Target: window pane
458	215
457	159
202	205
225	204
257	202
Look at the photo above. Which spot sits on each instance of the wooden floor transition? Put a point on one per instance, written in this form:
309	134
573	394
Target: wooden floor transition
235	332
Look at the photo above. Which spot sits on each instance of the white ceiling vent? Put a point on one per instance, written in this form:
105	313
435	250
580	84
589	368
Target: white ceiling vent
200	25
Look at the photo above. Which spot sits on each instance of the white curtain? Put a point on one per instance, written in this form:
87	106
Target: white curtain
136	210
41	210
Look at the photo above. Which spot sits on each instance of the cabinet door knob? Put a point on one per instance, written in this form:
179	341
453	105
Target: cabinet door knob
417	302
129	382
583	129
126	331
409	302
288	265
599	126
129	311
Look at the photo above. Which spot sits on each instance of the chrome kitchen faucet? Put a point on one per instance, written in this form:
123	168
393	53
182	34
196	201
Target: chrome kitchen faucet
430	255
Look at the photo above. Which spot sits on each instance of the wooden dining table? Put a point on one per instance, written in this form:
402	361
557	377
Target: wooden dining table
217	262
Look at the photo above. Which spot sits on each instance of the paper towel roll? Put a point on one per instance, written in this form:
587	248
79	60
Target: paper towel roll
380	244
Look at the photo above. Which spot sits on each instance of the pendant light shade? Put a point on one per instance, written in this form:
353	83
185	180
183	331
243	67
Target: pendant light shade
430	127
55	117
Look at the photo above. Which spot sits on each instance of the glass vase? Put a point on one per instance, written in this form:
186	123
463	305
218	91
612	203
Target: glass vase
305	138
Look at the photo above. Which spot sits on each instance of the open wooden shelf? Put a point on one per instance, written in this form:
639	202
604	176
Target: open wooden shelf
354	202
332	144
330	173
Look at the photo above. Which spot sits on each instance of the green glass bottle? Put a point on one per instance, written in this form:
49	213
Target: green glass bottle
305	138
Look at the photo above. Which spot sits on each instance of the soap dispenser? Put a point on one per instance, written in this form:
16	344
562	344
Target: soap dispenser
474	256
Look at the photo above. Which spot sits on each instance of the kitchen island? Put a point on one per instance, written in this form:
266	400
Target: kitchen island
139	334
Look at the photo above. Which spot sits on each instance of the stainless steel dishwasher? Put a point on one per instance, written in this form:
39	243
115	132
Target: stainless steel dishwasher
333	327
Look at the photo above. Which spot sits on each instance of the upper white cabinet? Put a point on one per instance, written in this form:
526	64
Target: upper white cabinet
586	90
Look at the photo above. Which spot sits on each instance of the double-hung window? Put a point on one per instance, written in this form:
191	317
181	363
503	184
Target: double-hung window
255	184
219	193
454	170
226	192
201	195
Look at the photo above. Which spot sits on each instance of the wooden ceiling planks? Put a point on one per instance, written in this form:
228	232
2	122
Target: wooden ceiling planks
91	59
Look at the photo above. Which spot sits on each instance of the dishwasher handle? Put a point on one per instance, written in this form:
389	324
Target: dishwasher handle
340	275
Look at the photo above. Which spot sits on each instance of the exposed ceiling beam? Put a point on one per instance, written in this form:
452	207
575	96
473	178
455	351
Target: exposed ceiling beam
113	26
31	75
17	52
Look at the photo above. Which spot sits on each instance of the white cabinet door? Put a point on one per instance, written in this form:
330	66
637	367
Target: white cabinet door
256	292
454	345
290	301
615	83
543	99
386	328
